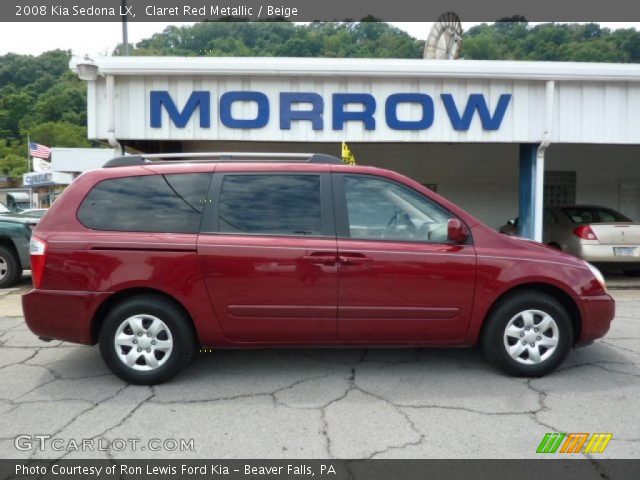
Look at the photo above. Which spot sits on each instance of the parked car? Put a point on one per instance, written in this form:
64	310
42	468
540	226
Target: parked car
152	259
17	201
597	234
15	233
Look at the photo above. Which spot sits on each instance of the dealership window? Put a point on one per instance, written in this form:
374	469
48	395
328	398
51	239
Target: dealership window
380	209
559	188
269	204
150	203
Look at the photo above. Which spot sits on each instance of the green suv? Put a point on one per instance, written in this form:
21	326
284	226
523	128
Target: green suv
15	233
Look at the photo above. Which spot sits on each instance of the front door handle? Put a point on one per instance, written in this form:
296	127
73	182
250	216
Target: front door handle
354	258
321	258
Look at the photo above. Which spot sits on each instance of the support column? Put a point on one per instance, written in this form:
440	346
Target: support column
528	184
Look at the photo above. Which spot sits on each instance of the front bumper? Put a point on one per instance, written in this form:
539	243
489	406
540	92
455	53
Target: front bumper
62	315
597	314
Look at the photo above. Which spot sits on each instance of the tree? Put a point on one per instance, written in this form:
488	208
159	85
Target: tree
230	37
517	40
13	165
60	134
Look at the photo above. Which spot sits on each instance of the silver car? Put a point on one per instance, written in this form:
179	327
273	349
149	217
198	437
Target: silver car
594	233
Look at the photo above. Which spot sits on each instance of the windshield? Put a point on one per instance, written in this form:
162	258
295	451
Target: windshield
582	215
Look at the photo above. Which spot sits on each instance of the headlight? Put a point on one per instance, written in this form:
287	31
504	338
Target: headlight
598	274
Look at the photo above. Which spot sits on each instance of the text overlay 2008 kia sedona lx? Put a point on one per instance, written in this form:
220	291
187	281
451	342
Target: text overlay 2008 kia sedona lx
156	258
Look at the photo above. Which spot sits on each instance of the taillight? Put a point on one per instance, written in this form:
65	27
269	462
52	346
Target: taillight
37	249
584	232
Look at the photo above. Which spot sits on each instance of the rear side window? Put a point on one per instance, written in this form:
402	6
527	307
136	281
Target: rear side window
271	204
151	203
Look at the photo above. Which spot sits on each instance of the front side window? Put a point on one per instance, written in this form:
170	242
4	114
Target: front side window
149	203
379	209
269	204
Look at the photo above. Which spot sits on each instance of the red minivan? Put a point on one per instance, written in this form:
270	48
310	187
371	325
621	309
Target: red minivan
153	258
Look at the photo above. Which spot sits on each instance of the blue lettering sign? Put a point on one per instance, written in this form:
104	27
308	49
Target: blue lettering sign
291	111
180	119
476	102
287	115
391	111
340	116
227	99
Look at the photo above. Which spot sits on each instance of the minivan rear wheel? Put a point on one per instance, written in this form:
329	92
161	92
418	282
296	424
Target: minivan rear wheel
528	334
146	340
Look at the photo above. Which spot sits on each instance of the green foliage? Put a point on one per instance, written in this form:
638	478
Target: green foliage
517	40
508	39
60	134
42	99
13	166
12	163
369	38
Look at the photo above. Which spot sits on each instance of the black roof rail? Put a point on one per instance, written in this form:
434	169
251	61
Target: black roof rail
207	157
128	161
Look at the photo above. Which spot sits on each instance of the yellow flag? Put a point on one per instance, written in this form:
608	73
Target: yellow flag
347	156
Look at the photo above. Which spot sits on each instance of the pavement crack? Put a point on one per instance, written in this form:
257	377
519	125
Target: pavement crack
93	406
118	424
619	347
542	397
22	362
619	372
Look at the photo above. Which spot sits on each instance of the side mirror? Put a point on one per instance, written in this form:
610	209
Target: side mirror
457	231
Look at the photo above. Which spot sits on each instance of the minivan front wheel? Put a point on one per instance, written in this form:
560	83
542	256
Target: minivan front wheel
528	334
146	340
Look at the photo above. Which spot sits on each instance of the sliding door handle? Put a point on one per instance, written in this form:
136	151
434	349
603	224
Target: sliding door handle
321	258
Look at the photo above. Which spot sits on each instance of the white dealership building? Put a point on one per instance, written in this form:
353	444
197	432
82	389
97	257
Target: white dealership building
499	138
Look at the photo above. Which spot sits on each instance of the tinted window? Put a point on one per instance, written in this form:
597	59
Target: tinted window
271	204
152	203
380	209
583	215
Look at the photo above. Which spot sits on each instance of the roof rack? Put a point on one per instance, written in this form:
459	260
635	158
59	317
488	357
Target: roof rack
207	157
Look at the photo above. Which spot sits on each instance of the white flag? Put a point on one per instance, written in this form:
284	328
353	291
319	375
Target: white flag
40	165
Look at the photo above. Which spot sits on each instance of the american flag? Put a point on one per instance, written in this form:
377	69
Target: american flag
40	151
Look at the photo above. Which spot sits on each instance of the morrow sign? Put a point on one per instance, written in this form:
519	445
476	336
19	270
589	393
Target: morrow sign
345	107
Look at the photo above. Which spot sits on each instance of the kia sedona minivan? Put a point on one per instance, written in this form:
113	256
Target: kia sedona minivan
155	257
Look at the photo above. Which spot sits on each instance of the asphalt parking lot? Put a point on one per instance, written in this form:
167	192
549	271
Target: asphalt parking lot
313	403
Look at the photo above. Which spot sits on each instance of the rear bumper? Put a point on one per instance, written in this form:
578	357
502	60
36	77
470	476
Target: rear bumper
62	315
597	314
595	253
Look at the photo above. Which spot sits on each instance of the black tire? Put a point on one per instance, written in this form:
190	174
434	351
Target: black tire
10	264
493	335
180	330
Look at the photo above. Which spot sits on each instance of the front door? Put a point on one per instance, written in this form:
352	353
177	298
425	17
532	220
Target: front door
269	257
400	279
